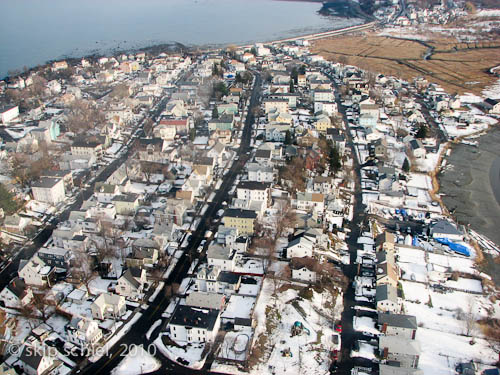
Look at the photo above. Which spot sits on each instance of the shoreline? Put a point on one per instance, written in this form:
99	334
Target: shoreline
466	184
169	46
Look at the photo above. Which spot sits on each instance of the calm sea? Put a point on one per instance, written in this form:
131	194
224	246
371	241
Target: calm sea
35	31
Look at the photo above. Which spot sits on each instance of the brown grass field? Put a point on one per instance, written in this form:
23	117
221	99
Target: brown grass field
457	67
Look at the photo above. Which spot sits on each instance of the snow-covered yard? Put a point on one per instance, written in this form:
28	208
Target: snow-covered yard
306	352
191	353
138	361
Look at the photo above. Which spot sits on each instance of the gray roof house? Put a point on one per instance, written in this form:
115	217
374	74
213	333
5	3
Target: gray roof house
400	350
398	325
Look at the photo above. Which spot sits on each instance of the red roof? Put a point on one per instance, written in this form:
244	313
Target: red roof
174	122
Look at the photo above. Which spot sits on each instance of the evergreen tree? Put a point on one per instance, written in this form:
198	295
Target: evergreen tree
335	162
406	165
288	138
292	87
215	112
422	132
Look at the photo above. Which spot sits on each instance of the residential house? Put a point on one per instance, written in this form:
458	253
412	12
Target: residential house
224	122
205	300
400	350
263	156
55	257
16	294
386	274
446	229
37	361
417	149
303	269
241	219
254	191
194	325
144	252
398	325
131	284
86	148
322	123
105	192
151	149
327	107
323	95
221	256
387	299
176	125
36	272
260	173
337	138
277	133
217	153
83	332
126	204
16	224
299	248
309	202
49	190
108	306
385	241
276	104
493	105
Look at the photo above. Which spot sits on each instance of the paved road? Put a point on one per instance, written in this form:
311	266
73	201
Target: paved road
349	335
136	336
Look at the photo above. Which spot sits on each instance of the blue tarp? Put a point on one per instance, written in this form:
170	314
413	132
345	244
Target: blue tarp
414	242
461	249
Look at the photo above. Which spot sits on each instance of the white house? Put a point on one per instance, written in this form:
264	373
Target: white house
36	272
387	299
221	256
16	294
299	248
131	283
303	269
49	190
108	305
9	113
194	325
253	191
83	332
310	201
37	361
260	173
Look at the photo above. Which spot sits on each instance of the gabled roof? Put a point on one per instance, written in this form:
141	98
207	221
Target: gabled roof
398	320
127	275
395	344
386	292
18	287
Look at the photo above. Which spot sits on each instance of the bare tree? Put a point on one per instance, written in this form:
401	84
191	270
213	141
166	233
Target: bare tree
84	269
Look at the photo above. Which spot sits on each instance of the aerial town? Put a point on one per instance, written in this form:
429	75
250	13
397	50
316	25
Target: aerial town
250	210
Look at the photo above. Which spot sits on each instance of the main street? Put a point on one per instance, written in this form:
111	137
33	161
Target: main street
136	336
349	335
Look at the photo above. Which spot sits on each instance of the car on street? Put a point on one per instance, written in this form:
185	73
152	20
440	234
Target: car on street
338	328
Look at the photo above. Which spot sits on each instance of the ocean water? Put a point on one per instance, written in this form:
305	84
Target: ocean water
35	31
472	184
